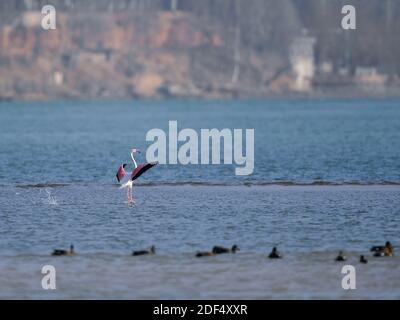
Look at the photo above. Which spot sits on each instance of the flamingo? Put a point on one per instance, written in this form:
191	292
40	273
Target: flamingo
126	180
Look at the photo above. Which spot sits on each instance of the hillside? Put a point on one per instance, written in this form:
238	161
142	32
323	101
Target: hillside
187	48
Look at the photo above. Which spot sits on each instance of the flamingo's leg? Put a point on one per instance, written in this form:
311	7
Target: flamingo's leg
131	196
128	195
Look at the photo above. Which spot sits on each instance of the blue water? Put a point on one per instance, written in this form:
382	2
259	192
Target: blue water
326	178
296	141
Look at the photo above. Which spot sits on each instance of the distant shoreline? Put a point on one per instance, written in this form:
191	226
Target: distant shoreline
289	96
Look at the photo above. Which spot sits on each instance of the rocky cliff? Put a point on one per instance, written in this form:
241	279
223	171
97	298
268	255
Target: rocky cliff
124	49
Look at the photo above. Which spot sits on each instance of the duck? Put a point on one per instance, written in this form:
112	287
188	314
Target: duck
363	260
341	257
219	250
144	252
60	252
383	251
275	254
377	248
204	254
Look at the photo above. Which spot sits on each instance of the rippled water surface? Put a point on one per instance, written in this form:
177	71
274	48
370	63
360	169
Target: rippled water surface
326	178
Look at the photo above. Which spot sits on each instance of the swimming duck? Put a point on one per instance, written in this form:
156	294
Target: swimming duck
363	260
204	254
143	252
275	254
383	251
58	252
219	250
341	257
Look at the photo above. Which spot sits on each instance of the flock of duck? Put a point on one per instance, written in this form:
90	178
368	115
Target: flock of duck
379	251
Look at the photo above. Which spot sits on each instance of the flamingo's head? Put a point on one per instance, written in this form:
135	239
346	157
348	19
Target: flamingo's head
135	150
124	165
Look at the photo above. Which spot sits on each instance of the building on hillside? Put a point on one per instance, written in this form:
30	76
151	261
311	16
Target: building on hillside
303	62
369	77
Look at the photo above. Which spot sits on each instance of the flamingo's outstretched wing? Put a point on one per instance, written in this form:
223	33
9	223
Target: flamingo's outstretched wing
142	168
120	173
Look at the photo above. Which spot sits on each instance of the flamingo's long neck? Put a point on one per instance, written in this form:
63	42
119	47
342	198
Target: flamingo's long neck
133	159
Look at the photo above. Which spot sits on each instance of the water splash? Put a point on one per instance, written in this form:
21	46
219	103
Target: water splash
50	200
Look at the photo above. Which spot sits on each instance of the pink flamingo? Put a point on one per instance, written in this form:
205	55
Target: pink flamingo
126	180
